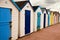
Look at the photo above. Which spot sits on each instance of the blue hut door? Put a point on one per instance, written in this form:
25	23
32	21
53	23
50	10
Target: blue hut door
44	20
48	19
27	21
38	20
5	19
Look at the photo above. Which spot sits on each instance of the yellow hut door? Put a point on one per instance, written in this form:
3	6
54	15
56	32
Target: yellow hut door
51	19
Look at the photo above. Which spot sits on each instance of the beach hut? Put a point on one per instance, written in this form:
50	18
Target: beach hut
6	5
25	18
37	18
5	23
51	18
59	18
52	21
46	18
45	23
41	17
56	17
48	12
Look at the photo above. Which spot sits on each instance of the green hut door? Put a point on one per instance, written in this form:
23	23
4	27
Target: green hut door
38	20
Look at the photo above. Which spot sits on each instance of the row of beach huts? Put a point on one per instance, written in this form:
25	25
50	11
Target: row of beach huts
20	18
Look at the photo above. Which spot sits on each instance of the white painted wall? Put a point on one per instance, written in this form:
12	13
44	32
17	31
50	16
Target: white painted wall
22	20
46	20
14	29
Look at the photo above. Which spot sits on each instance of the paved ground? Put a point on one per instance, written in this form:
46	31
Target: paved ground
50	33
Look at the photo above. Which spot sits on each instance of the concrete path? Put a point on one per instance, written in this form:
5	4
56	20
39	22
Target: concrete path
49	33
